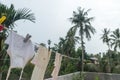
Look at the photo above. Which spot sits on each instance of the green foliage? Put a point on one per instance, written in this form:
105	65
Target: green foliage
4	59
80	76
14	15
68	66
28	71
49	69
13	76
96	77
115	39
106	37
90	67
113	66
116	69
50	66
15	73
76	77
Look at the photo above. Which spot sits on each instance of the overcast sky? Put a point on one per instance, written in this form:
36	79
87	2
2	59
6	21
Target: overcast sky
52	19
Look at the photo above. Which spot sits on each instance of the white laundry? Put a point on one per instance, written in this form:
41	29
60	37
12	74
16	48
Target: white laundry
19	51
40	60
57	64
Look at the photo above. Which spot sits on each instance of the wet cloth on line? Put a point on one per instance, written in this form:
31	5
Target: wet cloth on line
57	64
20	53
40	60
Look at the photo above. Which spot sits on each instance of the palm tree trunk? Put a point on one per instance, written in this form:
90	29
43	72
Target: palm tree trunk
82	57
82	46
82	64
109	61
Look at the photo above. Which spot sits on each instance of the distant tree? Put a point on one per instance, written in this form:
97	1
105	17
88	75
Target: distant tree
49	43
106	37
43	44
61	45
82	25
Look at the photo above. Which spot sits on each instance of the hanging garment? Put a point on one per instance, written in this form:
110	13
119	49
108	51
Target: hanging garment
20	53
57	64
40	60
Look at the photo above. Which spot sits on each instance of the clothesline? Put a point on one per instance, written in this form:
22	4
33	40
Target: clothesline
39	44
71	57
61	54
4	59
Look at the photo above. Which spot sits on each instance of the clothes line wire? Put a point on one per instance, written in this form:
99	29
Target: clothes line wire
71	57
67	56
4	59
55	53
59	53
39	44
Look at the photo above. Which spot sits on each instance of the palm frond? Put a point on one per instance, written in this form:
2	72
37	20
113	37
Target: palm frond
24	14
15	15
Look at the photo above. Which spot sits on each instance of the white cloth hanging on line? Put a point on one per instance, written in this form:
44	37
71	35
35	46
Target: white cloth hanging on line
20	53
40	60
57	64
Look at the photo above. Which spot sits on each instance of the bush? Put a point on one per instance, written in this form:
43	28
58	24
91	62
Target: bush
91	67
80	76
116	69
15	73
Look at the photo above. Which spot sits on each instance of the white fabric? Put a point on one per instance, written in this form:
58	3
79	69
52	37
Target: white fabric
19	51
57	64
41	61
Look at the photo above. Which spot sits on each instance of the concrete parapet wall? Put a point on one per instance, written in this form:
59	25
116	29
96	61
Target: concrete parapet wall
90	76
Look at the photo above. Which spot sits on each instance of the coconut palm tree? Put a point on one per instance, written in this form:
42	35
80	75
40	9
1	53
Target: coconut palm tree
106	39
115	37
71	41
82	25
12	15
